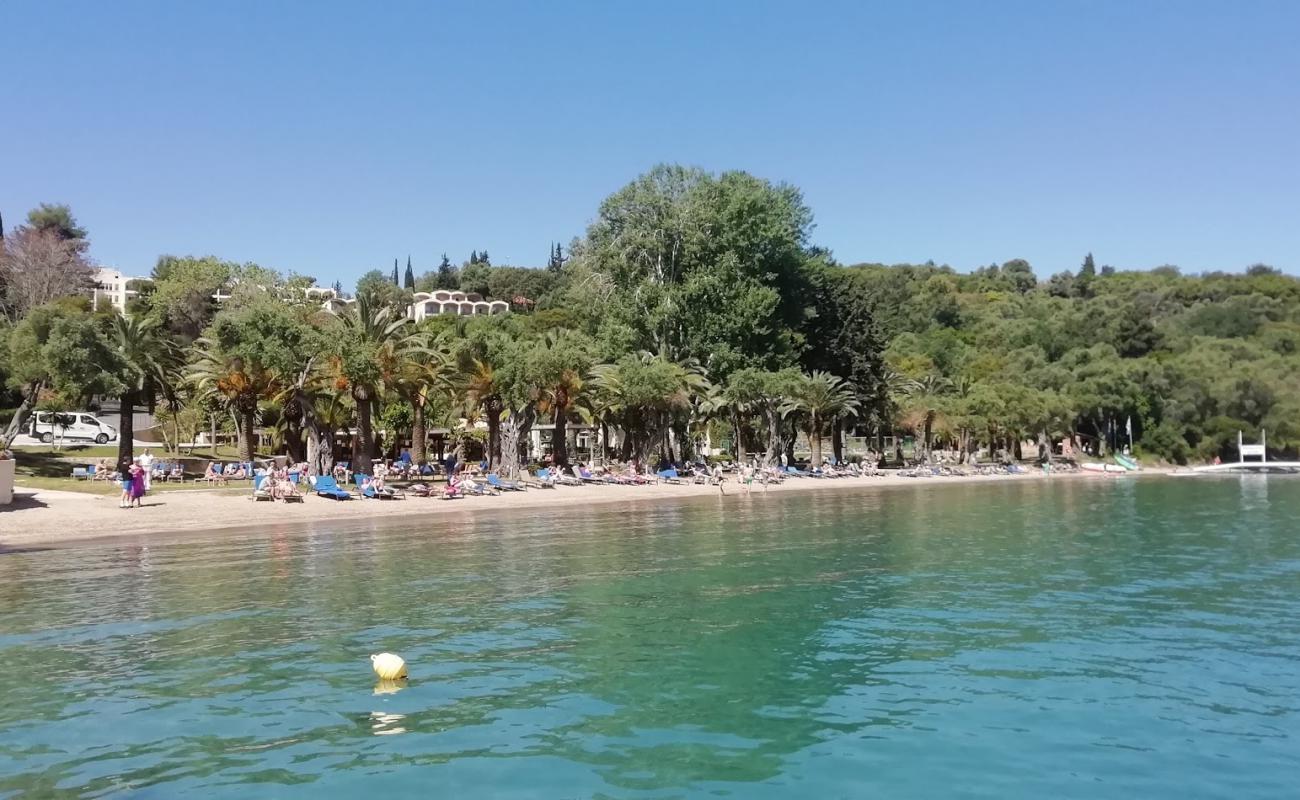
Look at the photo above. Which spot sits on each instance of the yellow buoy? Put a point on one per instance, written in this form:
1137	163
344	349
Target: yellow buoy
388	666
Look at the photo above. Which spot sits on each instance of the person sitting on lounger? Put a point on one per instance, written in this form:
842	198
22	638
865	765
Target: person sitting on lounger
471	486
286	489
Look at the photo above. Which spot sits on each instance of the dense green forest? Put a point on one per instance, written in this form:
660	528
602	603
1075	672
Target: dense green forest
694	303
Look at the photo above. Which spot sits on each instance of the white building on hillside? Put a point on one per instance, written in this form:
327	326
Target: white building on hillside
443	301
428	304
111	285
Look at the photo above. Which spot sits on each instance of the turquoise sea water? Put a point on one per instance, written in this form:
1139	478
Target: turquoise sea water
1083	639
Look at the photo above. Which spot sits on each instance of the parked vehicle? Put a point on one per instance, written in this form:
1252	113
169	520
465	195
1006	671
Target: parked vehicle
50	425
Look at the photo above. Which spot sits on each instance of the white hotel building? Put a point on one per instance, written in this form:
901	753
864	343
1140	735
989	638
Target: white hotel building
112	284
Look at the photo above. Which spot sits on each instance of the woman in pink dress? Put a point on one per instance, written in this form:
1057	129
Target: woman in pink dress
137	484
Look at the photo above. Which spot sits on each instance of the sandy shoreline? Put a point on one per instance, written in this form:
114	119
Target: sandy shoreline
48	517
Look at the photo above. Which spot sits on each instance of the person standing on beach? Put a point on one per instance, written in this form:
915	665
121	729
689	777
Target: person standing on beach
146	463
137	484
125	480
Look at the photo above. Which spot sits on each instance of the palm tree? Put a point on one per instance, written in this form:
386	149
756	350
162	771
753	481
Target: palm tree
147	363
481	392
235	383
819	398
424	373
332	413
563	383
297	395
759	393
923	401
373	347
642	394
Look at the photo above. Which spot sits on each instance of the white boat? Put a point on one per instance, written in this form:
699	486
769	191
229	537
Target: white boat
1092	466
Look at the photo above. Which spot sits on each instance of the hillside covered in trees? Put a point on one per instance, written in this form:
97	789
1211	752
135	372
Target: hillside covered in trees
693	302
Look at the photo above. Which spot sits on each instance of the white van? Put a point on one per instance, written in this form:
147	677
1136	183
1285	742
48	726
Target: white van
50	425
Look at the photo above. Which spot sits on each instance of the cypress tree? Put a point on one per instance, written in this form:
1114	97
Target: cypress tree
556	262
483	259
1083	283
473	256
395	281
410	274
446	274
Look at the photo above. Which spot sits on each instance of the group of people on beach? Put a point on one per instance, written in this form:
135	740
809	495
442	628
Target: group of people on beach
135	480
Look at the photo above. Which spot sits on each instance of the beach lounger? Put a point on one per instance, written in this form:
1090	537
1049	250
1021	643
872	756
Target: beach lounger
477	489
326	486
427	490
560	478
369	491
542	480
585	476
669	475
88	473
496	482
258	492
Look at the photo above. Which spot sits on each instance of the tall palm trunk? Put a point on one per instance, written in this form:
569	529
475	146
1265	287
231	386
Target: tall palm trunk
248	434
559	443
419	432
126	430
815	439
837	441
773	434
492	412
294	445
365	447
513	429
313	443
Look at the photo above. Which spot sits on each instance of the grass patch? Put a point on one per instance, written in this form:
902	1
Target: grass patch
28	481
47	468
91	452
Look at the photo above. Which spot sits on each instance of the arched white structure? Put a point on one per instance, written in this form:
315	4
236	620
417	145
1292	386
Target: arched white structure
443	301
429	304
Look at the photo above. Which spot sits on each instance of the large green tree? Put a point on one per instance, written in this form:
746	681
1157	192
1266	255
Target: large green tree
146	362
372	345
709	266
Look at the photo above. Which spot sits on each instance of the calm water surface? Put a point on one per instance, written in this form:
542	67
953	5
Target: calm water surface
1087	639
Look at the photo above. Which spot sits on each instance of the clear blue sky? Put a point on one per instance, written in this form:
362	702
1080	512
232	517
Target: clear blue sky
329	138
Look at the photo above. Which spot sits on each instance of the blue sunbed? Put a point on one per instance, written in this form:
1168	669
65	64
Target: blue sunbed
326	486
496	483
